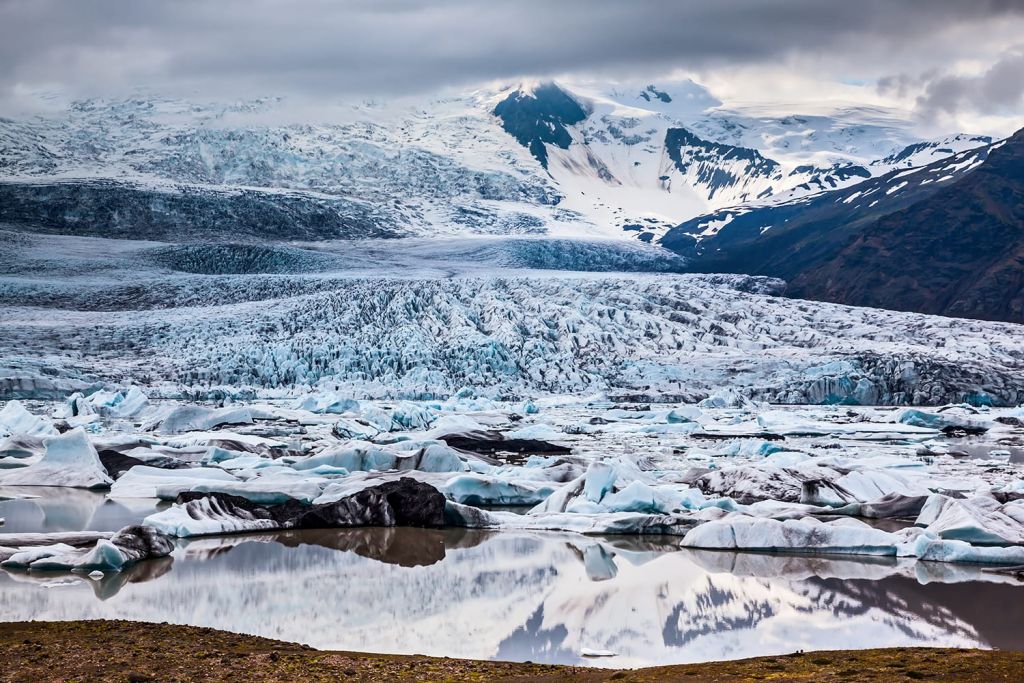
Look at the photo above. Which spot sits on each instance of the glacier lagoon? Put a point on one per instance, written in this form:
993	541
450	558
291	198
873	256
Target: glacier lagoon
542	597
524	589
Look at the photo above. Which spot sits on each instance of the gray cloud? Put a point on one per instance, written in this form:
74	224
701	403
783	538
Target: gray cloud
335	47
997	90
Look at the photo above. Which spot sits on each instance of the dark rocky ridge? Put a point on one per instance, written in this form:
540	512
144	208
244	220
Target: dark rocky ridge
708	157
783	240
958	252
942	240
181	213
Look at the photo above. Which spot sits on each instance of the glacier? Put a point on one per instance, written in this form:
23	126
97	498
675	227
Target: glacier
456	314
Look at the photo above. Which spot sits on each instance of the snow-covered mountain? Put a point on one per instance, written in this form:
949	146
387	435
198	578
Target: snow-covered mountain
596	159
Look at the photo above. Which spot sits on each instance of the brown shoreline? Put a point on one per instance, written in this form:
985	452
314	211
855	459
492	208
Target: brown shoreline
137	652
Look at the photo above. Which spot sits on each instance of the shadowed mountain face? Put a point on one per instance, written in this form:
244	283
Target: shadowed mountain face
540	117
958	252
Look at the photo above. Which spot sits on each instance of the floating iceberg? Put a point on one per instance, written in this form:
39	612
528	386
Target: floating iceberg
326	403
69	460
742	532
480	489
403	502
16	420
978	521
192	418
150	482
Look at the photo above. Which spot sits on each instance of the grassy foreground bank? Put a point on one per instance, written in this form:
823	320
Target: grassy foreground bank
138	652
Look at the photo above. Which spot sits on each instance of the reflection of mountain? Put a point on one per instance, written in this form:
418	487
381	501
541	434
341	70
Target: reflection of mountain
683	626
538	597
534	643
65	509
993	615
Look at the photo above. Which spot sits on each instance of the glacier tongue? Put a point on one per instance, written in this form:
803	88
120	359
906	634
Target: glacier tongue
502	331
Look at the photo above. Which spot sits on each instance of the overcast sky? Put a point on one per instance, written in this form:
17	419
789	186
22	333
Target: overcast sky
957	64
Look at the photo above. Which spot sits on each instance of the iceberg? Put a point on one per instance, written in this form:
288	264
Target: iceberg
931	548
479	489
16	420
946	420
978	521
326	403
599	480
403	502
412	416
143	481
737	531
748	483
123	549
132	405
69	460
265	490
194	418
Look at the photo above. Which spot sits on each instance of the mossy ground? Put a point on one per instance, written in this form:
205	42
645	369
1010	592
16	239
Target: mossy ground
137	652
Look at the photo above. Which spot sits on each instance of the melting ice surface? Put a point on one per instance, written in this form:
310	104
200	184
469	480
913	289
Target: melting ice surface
543	597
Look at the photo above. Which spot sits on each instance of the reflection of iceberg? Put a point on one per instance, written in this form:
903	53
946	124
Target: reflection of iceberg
402	546
103	587
539	597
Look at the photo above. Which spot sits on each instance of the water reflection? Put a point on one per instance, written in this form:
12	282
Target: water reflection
61	509
539	597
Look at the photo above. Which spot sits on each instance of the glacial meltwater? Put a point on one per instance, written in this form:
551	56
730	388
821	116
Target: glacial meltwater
544	597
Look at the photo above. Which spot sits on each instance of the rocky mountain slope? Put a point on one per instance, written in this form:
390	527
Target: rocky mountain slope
958	251
946	238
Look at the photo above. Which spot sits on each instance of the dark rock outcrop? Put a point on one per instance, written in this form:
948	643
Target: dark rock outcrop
540	118
491	442
405	502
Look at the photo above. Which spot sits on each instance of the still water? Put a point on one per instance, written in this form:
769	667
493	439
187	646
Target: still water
517	596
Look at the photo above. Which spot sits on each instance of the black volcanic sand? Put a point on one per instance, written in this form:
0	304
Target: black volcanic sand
136	652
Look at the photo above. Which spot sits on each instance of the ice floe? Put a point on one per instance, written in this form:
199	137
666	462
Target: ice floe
742	476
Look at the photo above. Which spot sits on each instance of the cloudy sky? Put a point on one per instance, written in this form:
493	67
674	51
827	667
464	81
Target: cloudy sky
954	64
